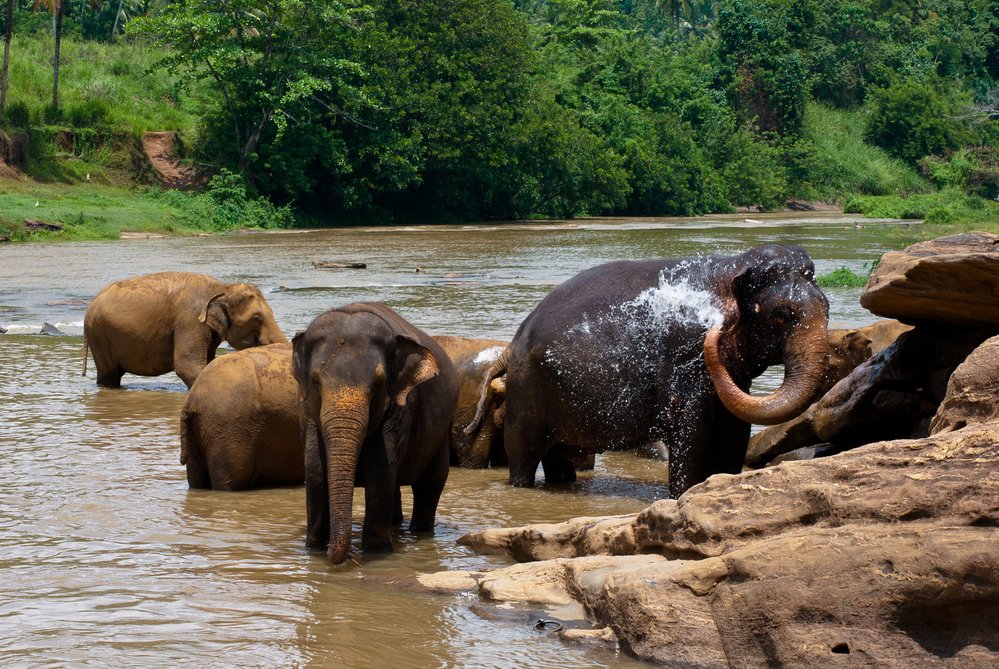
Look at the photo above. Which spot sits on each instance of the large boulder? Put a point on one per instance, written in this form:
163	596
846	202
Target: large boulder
880	556
946	280
896	393
972	392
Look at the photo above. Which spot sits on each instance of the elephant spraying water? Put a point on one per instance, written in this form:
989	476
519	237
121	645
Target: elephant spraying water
632	352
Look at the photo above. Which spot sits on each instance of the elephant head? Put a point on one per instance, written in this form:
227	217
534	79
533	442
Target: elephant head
242	317
356	371
773	308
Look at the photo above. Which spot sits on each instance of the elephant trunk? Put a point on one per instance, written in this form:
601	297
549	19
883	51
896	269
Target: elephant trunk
272	334
344	420
804	366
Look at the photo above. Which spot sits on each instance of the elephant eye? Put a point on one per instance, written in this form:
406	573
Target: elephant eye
783	315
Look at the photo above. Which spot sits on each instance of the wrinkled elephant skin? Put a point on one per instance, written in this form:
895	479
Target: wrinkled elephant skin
239	427
472	358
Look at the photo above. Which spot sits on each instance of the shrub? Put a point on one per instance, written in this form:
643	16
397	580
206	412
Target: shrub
913	118
89	112
17	115
842	277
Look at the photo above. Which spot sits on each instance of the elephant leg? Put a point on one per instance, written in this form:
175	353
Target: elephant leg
397	517
524	438
317	504
193	350
197	474
714	443
379	508
728	446
559	470
427	492
109	372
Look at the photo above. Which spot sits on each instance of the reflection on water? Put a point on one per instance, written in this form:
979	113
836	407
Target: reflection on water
107	558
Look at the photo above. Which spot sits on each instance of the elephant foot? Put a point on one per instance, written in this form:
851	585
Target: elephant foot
376	545
317	542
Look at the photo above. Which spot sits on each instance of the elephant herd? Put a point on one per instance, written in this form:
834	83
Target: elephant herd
622	355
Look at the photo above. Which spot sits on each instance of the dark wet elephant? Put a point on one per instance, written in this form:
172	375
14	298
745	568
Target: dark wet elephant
172	321
239	427
632	352
377	395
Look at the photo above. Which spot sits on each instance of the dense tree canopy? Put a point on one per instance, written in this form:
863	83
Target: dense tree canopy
483	109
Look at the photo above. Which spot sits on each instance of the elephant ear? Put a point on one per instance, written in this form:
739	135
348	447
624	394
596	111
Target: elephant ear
733	293
300	360
215	314
414	363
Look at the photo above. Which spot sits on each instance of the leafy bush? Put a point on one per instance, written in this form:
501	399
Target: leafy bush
914	117
17	115
973	170
842	277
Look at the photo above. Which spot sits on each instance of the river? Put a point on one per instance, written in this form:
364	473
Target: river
108	559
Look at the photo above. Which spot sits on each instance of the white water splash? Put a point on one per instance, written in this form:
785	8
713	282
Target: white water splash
488	355
676	302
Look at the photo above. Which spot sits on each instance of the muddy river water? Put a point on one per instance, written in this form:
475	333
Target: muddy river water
108	559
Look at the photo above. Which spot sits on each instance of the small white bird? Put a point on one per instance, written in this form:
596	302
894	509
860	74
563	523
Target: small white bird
36	203
88	176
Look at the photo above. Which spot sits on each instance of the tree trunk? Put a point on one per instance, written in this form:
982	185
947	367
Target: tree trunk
60	10
117	19
6	61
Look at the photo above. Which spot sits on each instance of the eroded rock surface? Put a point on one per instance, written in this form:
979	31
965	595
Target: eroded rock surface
972	391
885	554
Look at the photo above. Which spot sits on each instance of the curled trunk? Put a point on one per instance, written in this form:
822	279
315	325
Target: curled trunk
804	365
344	421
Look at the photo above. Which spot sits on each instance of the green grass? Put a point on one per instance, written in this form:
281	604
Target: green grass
99	84
845	165
946	208
99	211
842	277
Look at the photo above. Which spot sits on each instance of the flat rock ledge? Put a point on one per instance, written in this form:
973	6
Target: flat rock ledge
886	555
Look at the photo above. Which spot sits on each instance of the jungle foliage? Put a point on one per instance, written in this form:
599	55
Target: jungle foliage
388	110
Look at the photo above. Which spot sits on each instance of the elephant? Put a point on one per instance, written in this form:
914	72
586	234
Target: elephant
172	321
635	351
471	358
376	397
239	427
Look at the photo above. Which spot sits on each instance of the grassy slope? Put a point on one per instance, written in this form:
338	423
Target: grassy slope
112	88
92	75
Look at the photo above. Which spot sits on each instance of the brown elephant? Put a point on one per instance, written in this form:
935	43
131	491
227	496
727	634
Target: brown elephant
239	427
377	395
172	321
472	358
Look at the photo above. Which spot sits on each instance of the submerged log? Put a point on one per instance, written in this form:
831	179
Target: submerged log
326	264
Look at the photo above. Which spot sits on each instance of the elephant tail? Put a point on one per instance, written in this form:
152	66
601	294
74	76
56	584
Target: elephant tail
186	433
192	450
86	352
498	368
